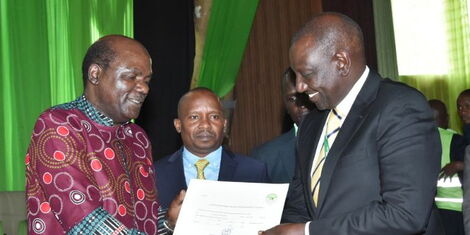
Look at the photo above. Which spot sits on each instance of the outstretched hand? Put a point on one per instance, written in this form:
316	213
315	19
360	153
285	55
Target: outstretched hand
451	169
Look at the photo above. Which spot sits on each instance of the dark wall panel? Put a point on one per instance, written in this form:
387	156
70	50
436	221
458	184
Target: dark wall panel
258	114
166	28
363	13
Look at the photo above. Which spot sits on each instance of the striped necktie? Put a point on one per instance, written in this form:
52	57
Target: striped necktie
200	165
332	129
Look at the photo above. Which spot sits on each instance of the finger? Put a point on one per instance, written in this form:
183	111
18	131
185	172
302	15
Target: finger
182	193
181	196
442	175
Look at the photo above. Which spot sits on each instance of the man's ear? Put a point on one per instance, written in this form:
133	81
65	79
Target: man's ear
94	72
177	124
343	63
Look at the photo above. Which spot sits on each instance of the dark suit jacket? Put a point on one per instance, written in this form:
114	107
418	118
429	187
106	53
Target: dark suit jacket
279	156
170	178
466	191
466	133
457	151
380	174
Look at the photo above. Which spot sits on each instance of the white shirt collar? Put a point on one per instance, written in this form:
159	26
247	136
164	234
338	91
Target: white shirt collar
345	105
213	157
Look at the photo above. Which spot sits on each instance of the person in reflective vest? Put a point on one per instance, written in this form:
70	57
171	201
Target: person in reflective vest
449	196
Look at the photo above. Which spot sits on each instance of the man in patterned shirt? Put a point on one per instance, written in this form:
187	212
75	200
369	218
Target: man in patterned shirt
89	169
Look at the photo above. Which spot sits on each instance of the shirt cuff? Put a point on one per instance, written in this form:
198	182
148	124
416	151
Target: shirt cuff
100	221
162	216
306	231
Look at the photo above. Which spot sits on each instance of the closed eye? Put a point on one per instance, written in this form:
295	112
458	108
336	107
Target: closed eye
308	74
129	76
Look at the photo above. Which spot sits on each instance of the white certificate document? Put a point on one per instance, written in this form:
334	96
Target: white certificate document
230	208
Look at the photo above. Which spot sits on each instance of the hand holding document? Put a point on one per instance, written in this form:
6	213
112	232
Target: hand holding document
230	208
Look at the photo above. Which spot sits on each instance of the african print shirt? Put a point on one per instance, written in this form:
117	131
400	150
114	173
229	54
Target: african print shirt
88	176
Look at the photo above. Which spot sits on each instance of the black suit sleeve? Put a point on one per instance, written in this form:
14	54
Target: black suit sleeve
457	151
457	148
466	191
466	133
295	210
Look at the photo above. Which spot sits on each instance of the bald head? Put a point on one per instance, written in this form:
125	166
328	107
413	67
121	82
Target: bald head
440	113
332	32
103	52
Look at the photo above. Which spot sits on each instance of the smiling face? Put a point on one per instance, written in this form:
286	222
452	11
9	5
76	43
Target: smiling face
463	107
120	89
200	122
318	73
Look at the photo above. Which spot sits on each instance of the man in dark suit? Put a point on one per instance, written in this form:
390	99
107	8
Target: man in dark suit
202	124
368	160
466	191
279	153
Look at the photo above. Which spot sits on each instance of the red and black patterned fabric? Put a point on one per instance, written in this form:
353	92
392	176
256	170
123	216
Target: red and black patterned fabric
76	164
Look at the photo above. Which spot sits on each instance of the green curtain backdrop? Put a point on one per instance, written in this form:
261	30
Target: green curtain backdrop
42	45
227	34
385	39
447	87
459	53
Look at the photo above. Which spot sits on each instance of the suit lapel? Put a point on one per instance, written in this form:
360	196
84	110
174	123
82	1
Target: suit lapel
227	166
176	166
353	122
310	127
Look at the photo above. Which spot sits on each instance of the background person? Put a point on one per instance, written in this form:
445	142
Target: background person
201	123
279	153
449	195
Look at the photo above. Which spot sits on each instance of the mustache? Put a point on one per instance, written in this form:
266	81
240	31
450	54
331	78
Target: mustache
140	97
204	133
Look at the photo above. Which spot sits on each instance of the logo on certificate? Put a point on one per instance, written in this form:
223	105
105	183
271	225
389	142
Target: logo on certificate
271	198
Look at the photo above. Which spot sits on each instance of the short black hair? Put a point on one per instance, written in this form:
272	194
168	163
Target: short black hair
198	89
465	93
100	53
345	33
288	77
